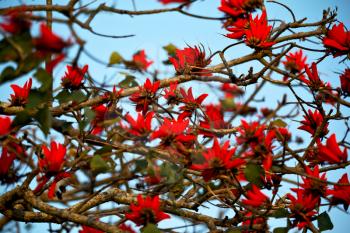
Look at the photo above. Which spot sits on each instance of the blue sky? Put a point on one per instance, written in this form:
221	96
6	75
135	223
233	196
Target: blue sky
152	32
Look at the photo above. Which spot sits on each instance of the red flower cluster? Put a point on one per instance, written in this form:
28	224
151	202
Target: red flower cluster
6	160
302	208
141	61
100	116
313	81
48	42
191	103
145	96
15	22
345	81
331	152
315	186
172	94
341	193
20	96
5	123
255	198
251	133
213	119
239	8
312	121
190	60
147	210
73	77
218	160
51	163
295	63
337	40
255	31
140	127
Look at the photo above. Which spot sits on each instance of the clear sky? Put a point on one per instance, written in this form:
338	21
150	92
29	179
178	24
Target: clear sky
152	32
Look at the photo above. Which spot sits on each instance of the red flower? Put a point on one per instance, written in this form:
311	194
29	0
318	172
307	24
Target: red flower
253	221
126	228
345	81
20	96
145	96
53	159
5	123
214	119
172	94
73	77
190	60
48	42
341	193
191	104
87	229
141	61
6	161
302	208
255	198
238	28
52	189
258	33
313	81
146	211
15	22
331	152
312	121
295	63
337	40
217	160
140	127
237	8
173	131
174	1
252	134
100	115
314	187
231	90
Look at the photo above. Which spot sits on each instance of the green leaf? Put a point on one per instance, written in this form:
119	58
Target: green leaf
115	58
253	173
280	230
280	213
170	172
170	49
37	98
44	78
66	96
324	222
150	228
129	81
44	117
278	123
21	119
98	165
141	165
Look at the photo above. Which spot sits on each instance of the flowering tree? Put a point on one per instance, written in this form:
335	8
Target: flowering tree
124	156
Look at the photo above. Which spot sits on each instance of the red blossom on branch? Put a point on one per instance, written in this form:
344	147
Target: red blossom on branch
145	96
331	152
146	210
141	61
255	198
20	96
316	184
100	116
295	63
337	40
345	81
6	161
313	81
52	160
237	28
218	160
190	60
126	228
5	123
238	8
191	103
341	193
312	121
213	119
140	127
15	22
73	77
172	95
251	133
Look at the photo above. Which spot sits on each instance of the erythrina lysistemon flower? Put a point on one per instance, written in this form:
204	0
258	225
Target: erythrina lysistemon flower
73	77
5	123
191	103
312	121
141	61
295	63
21	94
331	152
237	28
191	60
213	119
6	160
255	198
315	184
15	22
146	210
345	81
140	127
100	116
341	193
337	40
238	8
218	160
145	96
313	81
